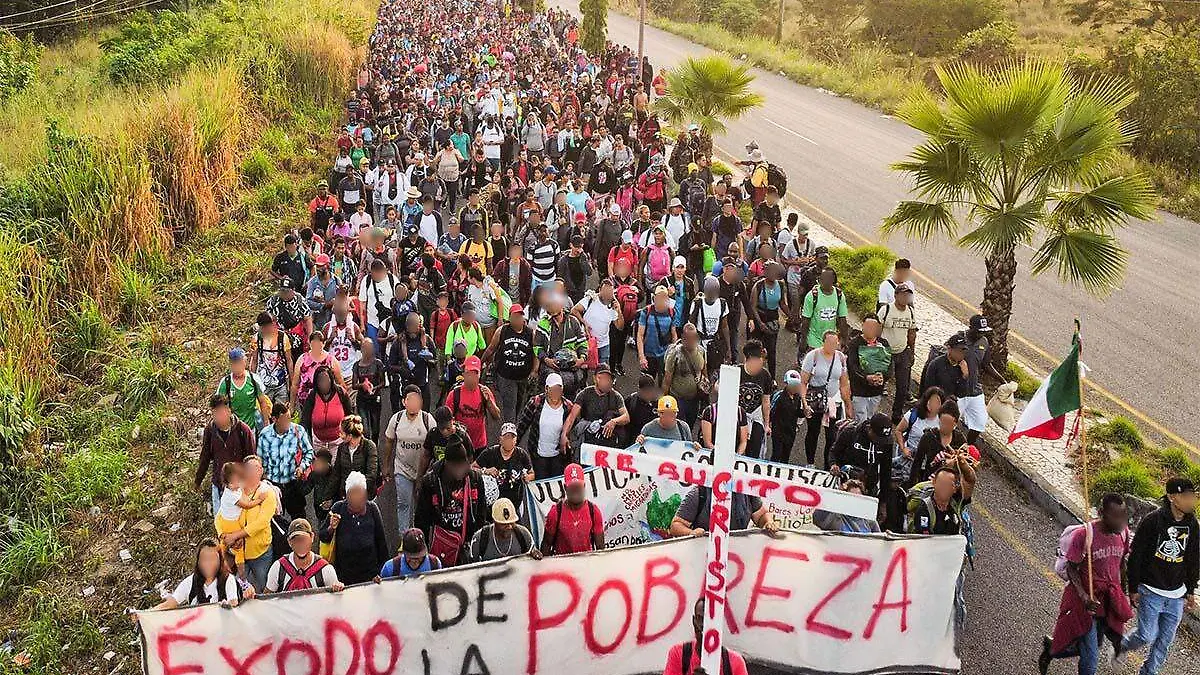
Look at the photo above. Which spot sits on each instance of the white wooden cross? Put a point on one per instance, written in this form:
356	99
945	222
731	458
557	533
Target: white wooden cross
724	480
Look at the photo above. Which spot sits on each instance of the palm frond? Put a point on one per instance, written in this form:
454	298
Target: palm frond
940	171
921	220
922	112
705	90
1093	260
1107	205
1000	114
999	228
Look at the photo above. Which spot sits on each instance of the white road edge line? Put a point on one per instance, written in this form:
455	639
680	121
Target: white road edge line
800	136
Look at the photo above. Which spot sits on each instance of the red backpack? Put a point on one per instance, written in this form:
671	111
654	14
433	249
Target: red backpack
292	579
627	296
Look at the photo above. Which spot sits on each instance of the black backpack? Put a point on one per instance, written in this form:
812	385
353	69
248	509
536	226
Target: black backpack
685	659
935	350
778	177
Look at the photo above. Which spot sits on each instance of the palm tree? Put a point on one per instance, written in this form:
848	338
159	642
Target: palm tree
1023	154
706	91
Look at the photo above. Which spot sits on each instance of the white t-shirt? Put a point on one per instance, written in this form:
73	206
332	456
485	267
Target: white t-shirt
229	508
327	576
647	238
408	440
598	318
183	591
492	137
482	297
675	226
550	425
819	367
887	291
427	226
370	292
359	219
708	317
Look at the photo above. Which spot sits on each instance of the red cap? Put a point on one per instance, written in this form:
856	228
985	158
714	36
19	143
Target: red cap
517	307
323	260
573	475
580	216
973	452
473	363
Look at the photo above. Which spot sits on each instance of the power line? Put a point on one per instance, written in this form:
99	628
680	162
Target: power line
50	19
40	9
77	16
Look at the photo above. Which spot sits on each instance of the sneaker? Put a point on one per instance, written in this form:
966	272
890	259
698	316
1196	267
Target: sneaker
1044	657
1118	658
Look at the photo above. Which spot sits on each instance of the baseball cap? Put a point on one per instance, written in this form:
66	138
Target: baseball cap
603	369
979	324
821	250
237	354
472	363
580	216
508	428
661	290
468	306
287	283
668	404
554	380
322	260
627	236
413	542
881	424
298	527
1179	486
791	377
503	511
680	261
573	475
802	227
957	340
615	209
517	308
904	287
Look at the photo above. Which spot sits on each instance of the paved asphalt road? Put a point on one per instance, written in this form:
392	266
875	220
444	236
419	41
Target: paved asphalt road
1012	595
836	154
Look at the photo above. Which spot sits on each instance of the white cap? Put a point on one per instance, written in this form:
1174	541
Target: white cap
680	261
615	209
554	380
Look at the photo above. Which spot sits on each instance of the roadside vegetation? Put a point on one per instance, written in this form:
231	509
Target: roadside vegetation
1122	460
880	52
148	170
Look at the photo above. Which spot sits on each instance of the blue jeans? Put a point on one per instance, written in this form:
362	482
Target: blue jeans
1157	620
373	333
405	502
216	498
604	352
1087	648
256	570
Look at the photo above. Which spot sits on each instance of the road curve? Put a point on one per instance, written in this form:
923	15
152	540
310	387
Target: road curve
836	154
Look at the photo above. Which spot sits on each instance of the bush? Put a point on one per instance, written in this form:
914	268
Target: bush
93	475
1166	76
277	193
140	380
256	167
720	168
1027	384
18	64
56	628
860	271
28	550
734	15
1125	475
989	45
155	47
20	413
1175	462
927	27
85	333
1119	433
135	294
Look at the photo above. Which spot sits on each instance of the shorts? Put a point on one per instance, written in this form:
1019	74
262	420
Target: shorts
974	412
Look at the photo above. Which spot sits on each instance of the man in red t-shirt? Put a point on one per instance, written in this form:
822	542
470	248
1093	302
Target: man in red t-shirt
684	658
574	524
471	402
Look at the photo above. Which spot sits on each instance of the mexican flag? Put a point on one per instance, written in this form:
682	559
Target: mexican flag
1046	414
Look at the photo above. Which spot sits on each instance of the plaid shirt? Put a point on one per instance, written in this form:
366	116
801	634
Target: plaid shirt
278	452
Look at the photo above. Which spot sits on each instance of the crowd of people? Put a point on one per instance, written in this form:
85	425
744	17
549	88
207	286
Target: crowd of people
507	231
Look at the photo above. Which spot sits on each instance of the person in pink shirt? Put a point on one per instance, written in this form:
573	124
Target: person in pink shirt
471	403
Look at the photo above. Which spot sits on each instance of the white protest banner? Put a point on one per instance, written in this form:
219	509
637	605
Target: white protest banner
638	509
665	468
805	602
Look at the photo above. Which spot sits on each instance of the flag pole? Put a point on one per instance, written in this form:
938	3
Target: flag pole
1087	503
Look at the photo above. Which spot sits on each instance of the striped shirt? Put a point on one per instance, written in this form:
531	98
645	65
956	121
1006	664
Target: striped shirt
278	452
543	258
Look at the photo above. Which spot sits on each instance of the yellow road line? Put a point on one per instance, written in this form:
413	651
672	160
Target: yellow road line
973	308
1019	546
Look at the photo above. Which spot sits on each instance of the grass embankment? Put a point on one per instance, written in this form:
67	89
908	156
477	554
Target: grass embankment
871	74
131	233
1129	464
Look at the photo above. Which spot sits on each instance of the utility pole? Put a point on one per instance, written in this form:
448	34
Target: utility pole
641	37
779	28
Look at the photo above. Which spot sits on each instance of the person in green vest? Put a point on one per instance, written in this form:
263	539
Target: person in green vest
467	329
247	394
824	309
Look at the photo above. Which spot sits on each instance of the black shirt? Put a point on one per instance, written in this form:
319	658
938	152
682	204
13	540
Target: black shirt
941	373
753	388
291	267
939	522
641	411
1165	552
512	471
764	213
596	406
514	354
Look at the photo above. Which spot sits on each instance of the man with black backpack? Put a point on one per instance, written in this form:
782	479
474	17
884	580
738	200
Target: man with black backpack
684	658
866	445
